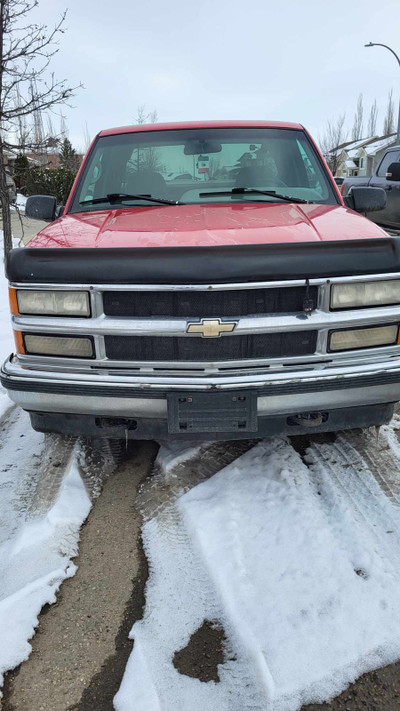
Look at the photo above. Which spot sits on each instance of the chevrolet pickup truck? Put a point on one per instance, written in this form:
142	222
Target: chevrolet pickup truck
205	280
387	177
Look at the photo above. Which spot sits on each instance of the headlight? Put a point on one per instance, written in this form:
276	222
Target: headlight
67	346
363	294
363	338
53	303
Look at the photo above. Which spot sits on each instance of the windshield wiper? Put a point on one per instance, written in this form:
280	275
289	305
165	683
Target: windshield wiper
249	191
112	198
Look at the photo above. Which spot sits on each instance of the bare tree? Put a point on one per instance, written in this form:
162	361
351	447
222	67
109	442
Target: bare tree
388	124
144	116
333	137
214	167
27	88
63	127
153	116
86	138
141	115
146	158
50	127
358	125
372	120
23	128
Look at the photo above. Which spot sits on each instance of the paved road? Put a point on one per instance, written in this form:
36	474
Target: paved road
24	227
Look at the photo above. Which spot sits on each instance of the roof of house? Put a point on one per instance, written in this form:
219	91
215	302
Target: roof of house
351	147
353	144
380	143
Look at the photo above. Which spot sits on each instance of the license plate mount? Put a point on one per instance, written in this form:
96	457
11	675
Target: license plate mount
197	412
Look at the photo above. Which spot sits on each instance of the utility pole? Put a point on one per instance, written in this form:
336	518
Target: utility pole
378	44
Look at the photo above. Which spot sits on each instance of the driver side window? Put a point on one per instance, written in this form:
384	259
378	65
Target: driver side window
389	158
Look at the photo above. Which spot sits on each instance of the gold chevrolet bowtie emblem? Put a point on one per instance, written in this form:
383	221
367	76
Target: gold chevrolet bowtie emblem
211	327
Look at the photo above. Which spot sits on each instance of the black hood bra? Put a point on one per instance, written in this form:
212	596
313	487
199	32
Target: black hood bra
204	265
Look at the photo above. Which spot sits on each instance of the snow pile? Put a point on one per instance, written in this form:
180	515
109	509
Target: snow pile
301	564
173	453
35	560
20	202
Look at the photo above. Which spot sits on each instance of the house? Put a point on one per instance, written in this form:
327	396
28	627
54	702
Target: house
360	157
49	158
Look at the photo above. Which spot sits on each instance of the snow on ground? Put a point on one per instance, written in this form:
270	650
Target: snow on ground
300	562
20	202
173	453
38	532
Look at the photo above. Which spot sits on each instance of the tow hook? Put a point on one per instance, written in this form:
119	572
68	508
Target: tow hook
307	419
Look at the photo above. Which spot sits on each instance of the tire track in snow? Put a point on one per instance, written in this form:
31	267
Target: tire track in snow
381	452
165	485
349	492
52	466
344	495
21	453
171	554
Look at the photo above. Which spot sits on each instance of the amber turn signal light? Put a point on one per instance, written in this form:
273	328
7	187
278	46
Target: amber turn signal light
12	294
19	342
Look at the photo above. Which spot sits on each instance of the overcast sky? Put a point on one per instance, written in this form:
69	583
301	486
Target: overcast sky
299	60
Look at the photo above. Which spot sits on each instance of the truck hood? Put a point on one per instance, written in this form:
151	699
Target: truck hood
206	225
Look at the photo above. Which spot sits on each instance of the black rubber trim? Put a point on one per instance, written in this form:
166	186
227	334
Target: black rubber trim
199	265
322	385
155	428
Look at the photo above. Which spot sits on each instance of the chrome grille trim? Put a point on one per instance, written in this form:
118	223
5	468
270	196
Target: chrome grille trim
99	325
129	326
205	286
228	380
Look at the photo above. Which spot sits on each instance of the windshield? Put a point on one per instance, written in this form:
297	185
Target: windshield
202	166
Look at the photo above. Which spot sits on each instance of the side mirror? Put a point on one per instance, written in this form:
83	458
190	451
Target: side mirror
366	199
393	172
41	207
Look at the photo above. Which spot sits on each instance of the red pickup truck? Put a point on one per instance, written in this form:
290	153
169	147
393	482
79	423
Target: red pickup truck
205	280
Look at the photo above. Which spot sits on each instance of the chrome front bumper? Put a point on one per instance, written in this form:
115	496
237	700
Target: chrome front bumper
134	396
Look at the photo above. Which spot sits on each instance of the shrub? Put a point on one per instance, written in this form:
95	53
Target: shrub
54	181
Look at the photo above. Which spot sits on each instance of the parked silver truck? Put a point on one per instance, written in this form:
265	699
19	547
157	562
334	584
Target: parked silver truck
386	176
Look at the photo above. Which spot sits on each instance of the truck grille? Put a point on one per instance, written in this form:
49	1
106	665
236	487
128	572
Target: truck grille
204	304
189	348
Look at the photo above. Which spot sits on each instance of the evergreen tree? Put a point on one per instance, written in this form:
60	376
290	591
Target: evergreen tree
21	168
68	157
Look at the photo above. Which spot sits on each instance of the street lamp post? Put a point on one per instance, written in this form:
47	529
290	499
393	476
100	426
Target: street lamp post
378	44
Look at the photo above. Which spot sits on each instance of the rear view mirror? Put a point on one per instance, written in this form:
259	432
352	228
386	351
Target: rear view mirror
393	172
41	207
196	147
366	199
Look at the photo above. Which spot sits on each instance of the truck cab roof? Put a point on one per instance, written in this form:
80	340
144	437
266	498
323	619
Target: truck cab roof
173	126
